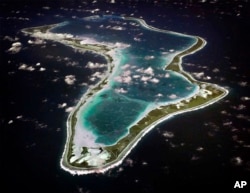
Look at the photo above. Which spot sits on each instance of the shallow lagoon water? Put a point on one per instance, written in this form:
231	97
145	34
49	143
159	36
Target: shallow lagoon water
139	81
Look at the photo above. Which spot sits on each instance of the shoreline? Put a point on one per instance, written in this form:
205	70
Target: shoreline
146	123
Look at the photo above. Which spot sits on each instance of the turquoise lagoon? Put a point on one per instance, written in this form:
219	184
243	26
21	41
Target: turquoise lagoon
139	81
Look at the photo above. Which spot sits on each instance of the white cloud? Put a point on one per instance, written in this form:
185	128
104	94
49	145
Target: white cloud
69	109
136	76
19	117
154	80
26	67
172	96
23	67
31	68
42	69
245	98
168	134
92	79
46	7
127	79
126	73
149	57
198	75
129	162
215	70
119	28
10	121
118	79
145	78
92	65
242	83
70	79
159	95
167	75
237	161
123	79
37	41
63	105
121	90
10	38
149	71
15	47
97	75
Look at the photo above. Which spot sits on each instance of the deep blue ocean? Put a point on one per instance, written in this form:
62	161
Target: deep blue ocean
207	149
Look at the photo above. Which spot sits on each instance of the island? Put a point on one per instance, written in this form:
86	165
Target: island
144	84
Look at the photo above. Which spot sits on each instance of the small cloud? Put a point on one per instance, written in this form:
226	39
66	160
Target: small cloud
198	75
10	121
149	57
168	134
145	78
159	95
19	117
129	162
121	90
69	109
215	70
42	69
154	80
199	149
61	106
123	79
15	48
72	63
245	98
92	65
84	84
149	71
237	161
167	75
118	28
36	41
23	67
70	79
30	68
9	38
136	76
243	83
172	96
97	75
127	79
26	67
239	107
46	8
